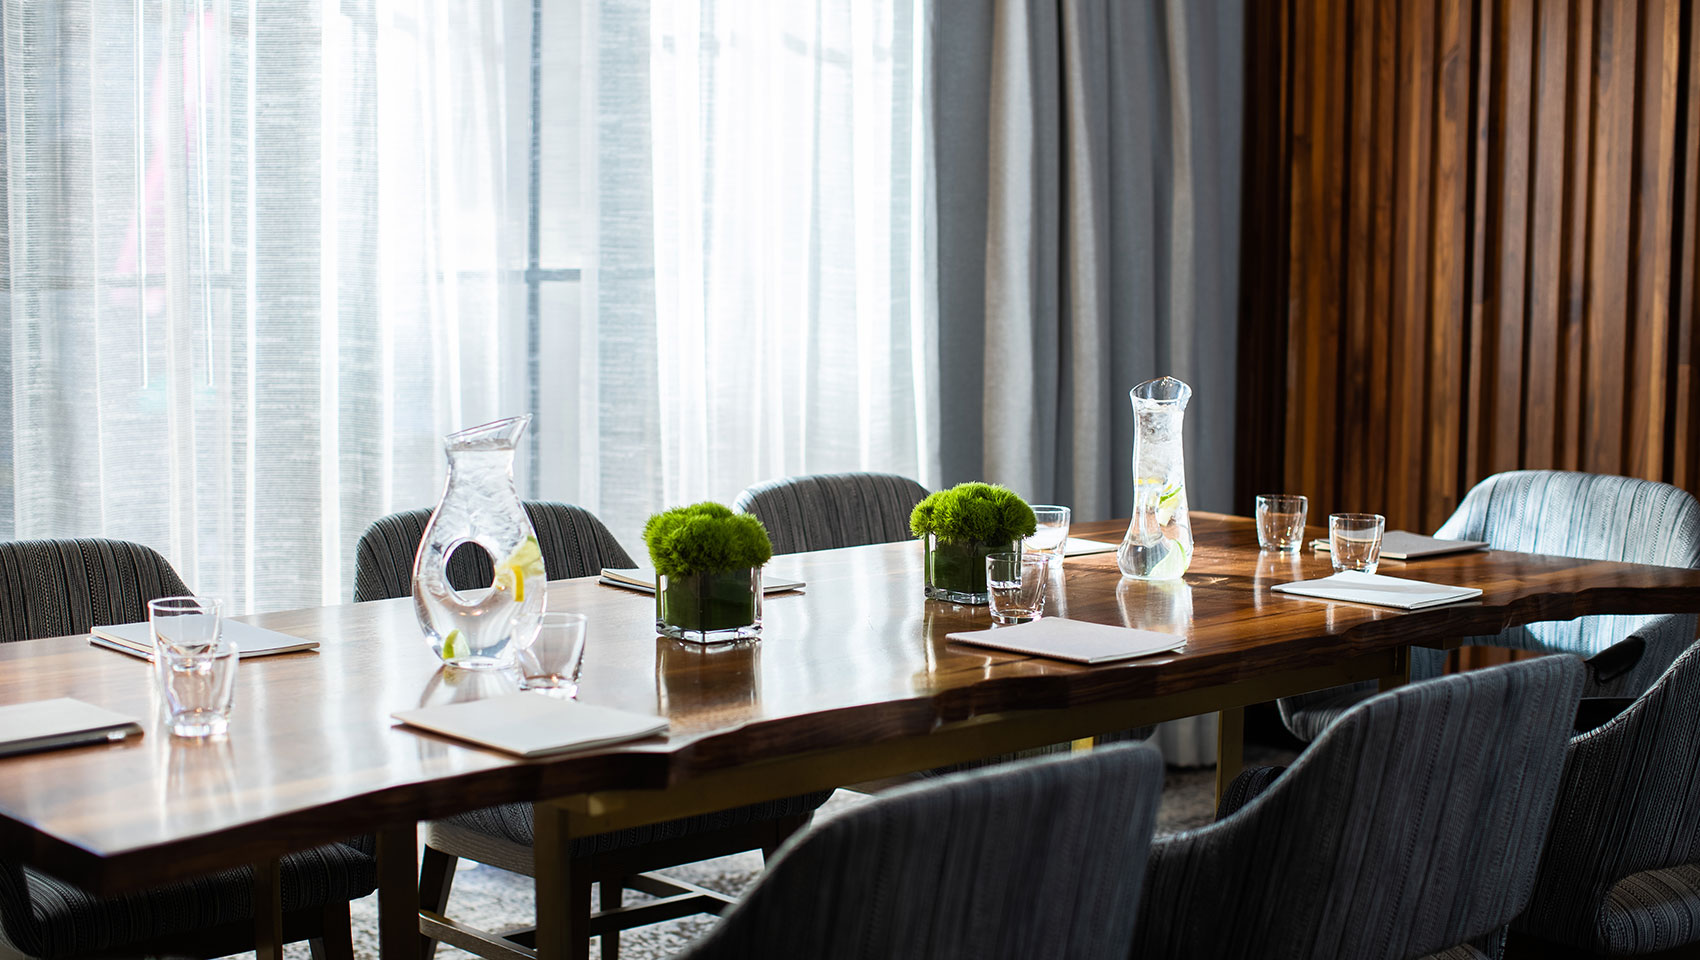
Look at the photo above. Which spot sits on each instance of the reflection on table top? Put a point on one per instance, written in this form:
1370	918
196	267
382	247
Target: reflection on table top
855	658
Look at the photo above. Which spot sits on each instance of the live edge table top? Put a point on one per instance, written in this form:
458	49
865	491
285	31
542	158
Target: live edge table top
856	658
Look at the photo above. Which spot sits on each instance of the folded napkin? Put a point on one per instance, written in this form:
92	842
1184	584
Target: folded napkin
1373	588
136	639
1074	640
50	724
1403	545
1077	547
642	579
532	725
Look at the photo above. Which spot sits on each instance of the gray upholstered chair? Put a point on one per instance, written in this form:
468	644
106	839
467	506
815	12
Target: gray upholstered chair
1572	515
51	588
831	510
1621	872
574	543
1042	858
1412	825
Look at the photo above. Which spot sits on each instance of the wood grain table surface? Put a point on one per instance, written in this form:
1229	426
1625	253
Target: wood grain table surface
855	659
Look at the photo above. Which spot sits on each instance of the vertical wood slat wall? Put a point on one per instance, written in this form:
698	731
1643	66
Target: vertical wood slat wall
1469	245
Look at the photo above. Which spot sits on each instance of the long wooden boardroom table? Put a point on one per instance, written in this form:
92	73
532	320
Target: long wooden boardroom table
853	680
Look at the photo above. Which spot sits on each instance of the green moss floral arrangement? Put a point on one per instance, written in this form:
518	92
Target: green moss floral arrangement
961	526
708	564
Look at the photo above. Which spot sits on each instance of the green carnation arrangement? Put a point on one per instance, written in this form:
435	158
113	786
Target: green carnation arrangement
706	538
973	513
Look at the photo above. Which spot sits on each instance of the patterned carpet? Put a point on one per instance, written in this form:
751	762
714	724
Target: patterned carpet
490	898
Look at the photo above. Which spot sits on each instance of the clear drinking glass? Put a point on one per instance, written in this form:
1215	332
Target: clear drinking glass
1281	521
1354	540
1050	534
1016	582
551	664
185	624
199	687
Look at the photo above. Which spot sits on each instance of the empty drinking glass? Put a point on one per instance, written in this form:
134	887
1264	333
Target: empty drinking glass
1281	521
195	666
1050	534
1354	540
551	664
186	624
199	687
1016	583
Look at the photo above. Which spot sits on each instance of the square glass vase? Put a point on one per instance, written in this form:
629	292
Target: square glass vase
956	572
710	607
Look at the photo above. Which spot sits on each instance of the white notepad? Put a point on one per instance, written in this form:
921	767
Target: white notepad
1074	640
532	725
50	724
1077	547
642	579
1381	591
251	641
1404	545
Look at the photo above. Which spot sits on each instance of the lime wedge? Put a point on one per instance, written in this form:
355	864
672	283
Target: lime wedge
1168	503
449	644
1173	564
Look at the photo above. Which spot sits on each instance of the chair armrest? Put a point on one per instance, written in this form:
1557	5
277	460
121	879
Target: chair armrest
1616	660
1245	788
1594	712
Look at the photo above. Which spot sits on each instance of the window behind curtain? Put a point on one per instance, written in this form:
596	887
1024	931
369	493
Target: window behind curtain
262	255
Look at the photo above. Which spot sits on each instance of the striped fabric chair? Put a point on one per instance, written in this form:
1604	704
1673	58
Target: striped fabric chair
1042	858
1621	873
52	588
574	543
1412	826
831	510
1572	515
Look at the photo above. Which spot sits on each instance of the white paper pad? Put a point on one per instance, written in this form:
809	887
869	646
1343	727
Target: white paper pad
251	641
1077	547
48	724
642	579
1074	640
1381	591
1404	545
532	725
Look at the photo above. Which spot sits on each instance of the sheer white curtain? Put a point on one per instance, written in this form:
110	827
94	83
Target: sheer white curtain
785	300
260	256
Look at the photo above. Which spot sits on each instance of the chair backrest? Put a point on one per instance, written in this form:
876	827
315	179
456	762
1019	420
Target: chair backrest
830	510
1629	802
1037	858
573	541
1412	825
52	588
1594	517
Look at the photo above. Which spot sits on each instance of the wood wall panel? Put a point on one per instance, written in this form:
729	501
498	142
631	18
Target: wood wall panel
1487	249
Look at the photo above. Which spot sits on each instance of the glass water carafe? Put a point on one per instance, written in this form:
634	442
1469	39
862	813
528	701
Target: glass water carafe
486	625
1158	545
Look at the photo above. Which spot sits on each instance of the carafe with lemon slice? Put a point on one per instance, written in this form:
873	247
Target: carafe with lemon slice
1158	545
480	626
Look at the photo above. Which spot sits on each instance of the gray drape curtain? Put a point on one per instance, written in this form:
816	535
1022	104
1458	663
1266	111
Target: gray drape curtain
1086	170
1086	160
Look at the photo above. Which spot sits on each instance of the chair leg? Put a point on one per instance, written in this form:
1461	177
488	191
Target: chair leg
579	883
336	934
436	876
780	830
613	895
